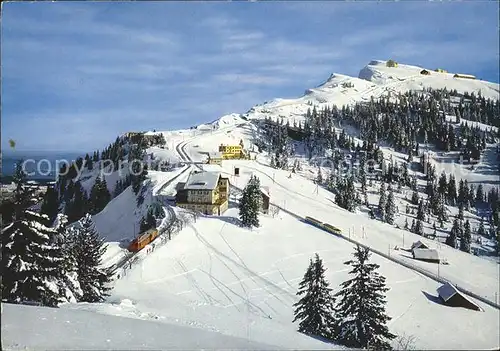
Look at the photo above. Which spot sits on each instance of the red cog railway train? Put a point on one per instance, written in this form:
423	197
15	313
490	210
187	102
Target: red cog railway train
145	238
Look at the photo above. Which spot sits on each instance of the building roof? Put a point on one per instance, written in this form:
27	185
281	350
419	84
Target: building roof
419	245
425	254
464	75
265	190
447	291
215	154
202	181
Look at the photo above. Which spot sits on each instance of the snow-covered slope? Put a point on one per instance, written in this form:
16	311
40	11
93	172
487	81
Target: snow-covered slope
218	276
374	80
42	328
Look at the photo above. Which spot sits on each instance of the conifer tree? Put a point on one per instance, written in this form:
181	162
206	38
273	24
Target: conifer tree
419	227
481	230
50	204
382	203
415	198
451	240
250	203
466	239
390	208
69	286
30	258
452	191
88	250
479	193
315	309
442	212
460	215
360	312
77	208
443	185
319	178
420	211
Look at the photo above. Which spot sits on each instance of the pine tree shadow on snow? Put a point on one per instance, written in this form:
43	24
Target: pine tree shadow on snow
231	220
322	339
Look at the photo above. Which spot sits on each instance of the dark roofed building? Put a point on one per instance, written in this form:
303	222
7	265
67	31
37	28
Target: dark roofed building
452	297
419	245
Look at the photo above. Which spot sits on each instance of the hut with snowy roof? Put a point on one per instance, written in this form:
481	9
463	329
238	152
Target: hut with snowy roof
450	296
419	245
428	255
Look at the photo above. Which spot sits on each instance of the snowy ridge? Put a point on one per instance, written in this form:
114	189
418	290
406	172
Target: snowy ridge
374	80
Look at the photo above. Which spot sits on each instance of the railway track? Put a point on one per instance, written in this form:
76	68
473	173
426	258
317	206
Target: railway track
422	271
171	218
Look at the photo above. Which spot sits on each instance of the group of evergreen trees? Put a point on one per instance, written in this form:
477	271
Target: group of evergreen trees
413	117
69	196
250	203
50	264
155	212
354	316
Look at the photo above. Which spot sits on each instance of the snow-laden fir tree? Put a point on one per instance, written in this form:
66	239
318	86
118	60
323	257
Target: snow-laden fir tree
466	239
382	202
88	250
443	184
419	227
442	210
69	286
481	230
451	240
50	204
390	207
30	258
421	211
415	198
250	203
360	311
319	178
315	308
460	215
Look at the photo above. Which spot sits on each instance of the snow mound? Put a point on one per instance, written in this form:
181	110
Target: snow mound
222	122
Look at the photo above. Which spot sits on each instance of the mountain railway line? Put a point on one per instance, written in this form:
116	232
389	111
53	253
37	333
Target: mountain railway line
339	234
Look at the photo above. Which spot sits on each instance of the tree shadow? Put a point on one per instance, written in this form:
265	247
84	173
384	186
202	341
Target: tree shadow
230	220
320	338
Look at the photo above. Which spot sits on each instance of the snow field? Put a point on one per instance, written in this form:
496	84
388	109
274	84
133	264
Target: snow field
77	330
219	276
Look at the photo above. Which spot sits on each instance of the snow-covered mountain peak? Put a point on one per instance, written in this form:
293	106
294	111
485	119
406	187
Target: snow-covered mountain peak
376	79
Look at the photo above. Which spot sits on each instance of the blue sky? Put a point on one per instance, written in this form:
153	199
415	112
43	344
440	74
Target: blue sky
76	75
